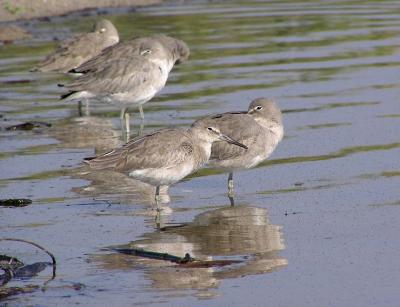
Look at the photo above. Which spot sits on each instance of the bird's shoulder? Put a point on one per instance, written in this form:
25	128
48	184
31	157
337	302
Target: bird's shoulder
117	75
238	125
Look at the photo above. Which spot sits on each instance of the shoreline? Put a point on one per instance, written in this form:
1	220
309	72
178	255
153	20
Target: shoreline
17	10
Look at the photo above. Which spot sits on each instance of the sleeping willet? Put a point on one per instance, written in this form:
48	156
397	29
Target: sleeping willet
260	129
72	53
128	73
165	156
176	49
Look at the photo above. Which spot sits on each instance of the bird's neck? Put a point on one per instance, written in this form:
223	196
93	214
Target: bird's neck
203	148
164	65
276	128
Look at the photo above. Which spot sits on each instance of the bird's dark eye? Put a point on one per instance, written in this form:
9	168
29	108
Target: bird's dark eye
259	108
210	129
144	52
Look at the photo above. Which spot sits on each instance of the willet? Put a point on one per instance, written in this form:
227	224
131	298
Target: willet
72	53
260	129
128	73
176	49
165	156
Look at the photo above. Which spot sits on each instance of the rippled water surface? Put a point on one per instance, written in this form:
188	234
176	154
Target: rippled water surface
315	225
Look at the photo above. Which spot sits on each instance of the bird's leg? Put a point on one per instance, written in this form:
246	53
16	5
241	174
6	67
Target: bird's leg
127	124
232	201
80	108
230	185
83	107
140	132
124	117
158	209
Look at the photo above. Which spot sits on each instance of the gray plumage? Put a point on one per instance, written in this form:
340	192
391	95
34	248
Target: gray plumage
175	49
260	129
73	52
165	156
133	80
129	73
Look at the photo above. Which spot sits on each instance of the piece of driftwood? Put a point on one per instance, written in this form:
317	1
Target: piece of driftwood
15	202
186	261
28	126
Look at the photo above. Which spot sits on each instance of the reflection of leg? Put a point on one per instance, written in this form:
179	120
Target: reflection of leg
157	198
141	128
141	112
158	220
230	185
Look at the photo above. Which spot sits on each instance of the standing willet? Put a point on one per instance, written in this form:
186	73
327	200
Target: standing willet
165	156
128	73
72	53
260	129
176	50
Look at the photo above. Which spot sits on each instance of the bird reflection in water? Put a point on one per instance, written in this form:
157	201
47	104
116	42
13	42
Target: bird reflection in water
242	233
102	135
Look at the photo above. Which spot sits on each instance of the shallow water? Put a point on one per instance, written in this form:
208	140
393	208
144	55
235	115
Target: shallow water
315	225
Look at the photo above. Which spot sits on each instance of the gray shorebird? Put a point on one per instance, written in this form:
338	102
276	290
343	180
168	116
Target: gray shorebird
165	156
260	129
129	73
176	50
73	52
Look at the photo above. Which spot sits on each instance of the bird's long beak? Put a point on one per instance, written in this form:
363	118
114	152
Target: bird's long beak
251	111
228	139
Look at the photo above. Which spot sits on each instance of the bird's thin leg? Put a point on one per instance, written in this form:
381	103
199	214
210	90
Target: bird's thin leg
83	107
127	124
158	210
140	132
80	108
230	185
124	117
232	201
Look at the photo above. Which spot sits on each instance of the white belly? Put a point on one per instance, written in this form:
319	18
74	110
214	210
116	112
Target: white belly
163	176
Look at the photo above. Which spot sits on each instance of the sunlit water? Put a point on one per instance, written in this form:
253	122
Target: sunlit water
315	225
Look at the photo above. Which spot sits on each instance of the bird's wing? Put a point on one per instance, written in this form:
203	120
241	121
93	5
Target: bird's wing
131	48
161	149
119	75
72	52
239	126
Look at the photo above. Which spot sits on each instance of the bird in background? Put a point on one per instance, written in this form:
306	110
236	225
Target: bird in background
79	49
260	129
128	74
163	157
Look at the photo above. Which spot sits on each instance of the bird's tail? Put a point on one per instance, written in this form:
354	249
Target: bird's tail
108	160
